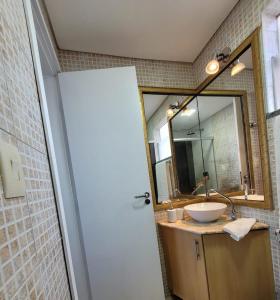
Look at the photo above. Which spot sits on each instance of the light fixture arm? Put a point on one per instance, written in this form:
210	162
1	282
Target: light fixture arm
213	65
223	55
175	106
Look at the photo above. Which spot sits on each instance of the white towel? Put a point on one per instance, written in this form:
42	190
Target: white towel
239	228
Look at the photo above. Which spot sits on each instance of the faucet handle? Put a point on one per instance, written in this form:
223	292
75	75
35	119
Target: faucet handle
245	179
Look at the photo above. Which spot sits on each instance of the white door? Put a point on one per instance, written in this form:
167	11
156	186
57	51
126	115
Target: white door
107	150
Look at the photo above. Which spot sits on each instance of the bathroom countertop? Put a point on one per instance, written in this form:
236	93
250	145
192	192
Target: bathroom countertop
193	226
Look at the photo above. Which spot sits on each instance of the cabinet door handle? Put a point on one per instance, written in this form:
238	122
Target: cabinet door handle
197	249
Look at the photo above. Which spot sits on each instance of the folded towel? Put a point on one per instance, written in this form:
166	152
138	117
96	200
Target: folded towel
239	228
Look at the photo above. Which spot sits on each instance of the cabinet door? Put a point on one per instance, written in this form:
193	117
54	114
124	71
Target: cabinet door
239	270
185	264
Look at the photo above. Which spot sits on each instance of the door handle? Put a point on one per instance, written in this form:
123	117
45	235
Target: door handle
196	243
145	195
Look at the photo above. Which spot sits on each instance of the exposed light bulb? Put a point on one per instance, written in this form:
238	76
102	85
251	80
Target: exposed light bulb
237	68
170	113
188	112
212	67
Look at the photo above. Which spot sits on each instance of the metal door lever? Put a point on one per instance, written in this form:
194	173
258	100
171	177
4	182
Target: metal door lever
146	195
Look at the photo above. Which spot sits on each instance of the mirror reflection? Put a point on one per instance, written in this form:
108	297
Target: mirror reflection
219	132
223	142
187	151
157	108
210	143
240	77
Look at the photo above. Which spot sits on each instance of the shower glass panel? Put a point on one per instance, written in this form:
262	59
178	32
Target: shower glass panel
210	161
187	151
223	141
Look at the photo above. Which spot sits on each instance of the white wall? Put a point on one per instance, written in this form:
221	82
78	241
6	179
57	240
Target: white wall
50	67
68	192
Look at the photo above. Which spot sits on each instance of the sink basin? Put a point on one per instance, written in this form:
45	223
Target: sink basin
205	211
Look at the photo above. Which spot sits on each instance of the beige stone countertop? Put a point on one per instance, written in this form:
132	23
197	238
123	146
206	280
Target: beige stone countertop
193	226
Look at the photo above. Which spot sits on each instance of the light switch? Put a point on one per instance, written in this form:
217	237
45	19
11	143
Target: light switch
11	171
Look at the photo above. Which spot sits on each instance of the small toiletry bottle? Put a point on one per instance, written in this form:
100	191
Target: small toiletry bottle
171	215
180	213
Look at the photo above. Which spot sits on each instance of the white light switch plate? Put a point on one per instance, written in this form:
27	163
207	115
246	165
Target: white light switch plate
11	171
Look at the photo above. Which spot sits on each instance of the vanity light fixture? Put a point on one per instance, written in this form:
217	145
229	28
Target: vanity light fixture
237	68
170	113
213	65
188	112
172	107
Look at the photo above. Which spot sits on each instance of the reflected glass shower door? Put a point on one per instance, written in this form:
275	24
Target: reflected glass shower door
210	161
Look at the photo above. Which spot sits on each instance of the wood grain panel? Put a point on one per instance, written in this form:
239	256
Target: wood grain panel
185	264
239	270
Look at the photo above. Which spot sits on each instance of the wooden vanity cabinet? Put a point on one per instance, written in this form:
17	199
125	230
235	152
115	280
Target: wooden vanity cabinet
215	267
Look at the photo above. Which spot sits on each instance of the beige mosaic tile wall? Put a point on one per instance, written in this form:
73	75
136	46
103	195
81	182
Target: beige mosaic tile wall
32	263
149	72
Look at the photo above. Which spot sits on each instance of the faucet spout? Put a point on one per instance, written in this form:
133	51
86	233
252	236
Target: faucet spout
198	186
233	211
245	180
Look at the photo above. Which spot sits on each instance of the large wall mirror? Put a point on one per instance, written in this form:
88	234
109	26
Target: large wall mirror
156	106
215	137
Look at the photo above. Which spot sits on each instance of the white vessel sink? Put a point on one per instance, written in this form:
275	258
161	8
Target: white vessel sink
205	211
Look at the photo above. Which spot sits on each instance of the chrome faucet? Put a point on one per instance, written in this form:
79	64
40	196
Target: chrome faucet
245	184
197	187
233	211
202	183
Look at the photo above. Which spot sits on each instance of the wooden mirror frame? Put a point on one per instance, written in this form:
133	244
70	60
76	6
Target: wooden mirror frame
160	91
252	41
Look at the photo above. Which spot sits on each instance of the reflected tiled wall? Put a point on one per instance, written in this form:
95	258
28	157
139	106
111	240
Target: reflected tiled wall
32	263
222	153
245	82
159	118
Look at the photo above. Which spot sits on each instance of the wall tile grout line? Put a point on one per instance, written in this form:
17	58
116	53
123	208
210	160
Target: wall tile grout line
22	141
28	225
